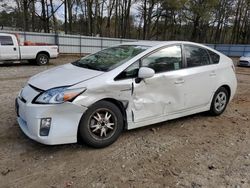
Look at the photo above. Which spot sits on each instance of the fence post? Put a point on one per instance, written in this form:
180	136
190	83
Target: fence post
101	43
80	45
24	34
244	50
56	39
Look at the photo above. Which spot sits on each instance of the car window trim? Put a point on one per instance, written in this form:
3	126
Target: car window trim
12	44
115	78
148	54
158	49
210	61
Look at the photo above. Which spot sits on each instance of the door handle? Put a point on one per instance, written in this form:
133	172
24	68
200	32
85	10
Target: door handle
14	48
213	73
179	81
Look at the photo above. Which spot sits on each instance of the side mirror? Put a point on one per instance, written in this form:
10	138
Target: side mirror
145	72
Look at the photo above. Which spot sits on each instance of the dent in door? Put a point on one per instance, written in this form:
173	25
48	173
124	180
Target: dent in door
148	99
158	96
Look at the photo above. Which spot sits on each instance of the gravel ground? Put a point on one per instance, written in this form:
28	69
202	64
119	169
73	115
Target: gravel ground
194	151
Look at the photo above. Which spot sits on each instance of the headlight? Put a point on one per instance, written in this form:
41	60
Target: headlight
58	95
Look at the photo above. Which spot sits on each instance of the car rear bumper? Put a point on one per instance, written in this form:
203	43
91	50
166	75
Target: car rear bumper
65	119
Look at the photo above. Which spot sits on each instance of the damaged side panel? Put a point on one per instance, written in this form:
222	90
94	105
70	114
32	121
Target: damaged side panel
150	99
119	90
157	96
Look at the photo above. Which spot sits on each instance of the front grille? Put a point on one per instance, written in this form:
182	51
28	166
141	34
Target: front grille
17	107
244	62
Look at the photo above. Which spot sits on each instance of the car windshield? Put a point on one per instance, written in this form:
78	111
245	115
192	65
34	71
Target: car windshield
110	58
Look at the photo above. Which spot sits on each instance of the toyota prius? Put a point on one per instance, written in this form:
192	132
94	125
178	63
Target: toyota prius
124	87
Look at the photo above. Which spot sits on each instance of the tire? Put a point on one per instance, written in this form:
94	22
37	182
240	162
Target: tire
101	124
42	59
219	102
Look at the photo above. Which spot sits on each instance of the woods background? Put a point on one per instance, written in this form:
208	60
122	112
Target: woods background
205	21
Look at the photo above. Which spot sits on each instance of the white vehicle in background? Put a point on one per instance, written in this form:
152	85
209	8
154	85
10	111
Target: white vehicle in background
245	60
124	87
12	51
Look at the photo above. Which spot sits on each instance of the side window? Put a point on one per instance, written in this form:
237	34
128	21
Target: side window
130	72
215	58
196	56
166	59
6	41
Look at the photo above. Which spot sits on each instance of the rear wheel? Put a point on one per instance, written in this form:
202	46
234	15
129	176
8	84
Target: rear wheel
219	102
101	125
42	59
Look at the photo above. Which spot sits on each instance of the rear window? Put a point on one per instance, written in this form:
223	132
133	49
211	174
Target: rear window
215	58
6	41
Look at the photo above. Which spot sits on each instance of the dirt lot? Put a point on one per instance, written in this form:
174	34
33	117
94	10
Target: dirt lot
195	151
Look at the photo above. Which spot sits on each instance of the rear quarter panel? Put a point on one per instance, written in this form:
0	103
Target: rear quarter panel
226	75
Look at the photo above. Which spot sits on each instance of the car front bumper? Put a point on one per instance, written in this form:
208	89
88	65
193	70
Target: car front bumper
65	119
244	63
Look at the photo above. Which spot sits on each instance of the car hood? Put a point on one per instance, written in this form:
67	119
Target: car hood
243	58
65	75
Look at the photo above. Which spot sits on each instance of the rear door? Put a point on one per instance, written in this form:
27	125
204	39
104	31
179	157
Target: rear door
200	77
8	48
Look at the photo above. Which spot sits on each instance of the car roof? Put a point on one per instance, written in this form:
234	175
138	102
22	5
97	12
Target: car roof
6	34
161	43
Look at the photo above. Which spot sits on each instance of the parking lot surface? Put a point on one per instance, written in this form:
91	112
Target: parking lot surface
194	151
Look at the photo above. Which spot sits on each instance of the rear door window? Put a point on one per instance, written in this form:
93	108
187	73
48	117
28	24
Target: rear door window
6	41
196	56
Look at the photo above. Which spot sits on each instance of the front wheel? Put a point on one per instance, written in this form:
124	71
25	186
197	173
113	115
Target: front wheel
42	59
101	125
219	102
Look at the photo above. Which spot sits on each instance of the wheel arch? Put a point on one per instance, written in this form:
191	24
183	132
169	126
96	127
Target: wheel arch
227	87
43	52
122	105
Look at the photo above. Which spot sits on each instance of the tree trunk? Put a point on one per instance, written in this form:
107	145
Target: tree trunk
70	16
65	17
54	17
44	16
33	15
25	12
144	19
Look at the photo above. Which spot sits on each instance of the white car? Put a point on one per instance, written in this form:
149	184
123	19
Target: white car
11	51
124	87
245	60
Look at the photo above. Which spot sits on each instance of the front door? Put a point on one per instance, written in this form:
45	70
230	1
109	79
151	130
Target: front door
163	93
